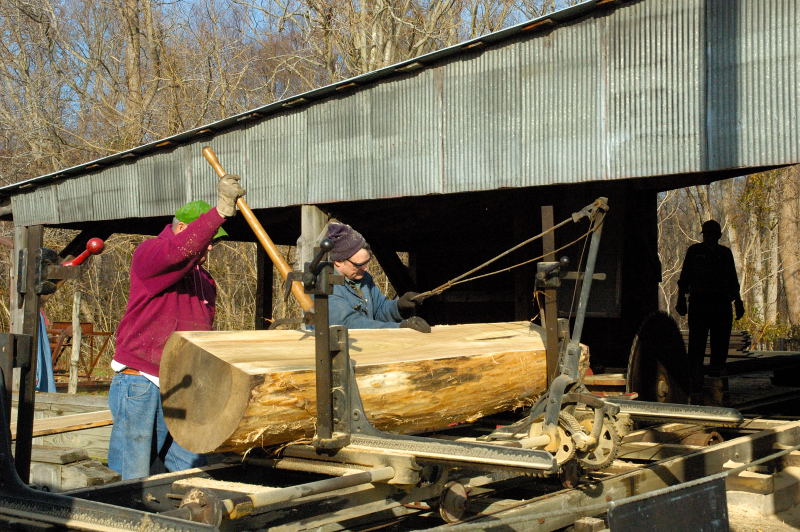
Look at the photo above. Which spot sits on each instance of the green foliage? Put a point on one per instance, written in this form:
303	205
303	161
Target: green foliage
763	333
757	201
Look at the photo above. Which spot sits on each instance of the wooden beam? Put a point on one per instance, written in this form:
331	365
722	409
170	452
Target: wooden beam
395	270
70	423
312	223
265	278
550	311
654	451
29	304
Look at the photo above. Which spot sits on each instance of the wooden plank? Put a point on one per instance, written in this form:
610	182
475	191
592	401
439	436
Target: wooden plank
87	473
61	424
232	391
57	455
61	401
605	379
654	451
751	482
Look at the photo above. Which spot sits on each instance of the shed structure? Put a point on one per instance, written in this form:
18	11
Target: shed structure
449	155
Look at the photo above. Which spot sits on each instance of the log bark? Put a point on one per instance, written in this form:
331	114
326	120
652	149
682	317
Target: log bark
236	390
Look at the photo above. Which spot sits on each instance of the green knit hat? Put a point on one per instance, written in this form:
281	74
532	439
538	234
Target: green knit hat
192	211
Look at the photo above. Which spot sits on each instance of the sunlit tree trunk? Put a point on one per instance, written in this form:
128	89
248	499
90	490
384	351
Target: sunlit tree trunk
788	240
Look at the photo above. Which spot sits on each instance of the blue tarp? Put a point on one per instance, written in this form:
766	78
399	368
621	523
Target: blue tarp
44	363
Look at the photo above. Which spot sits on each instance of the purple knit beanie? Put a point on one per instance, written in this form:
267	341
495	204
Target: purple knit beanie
346	241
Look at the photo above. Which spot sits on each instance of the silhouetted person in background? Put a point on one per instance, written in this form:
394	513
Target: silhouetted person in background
709	278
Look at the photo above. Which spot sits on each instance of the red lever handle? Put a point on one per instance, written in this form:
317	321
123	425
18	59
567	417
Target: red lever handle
93	247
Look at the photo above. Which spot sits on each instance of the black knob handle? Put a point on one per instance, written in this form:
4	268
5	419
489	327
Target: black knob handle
325	246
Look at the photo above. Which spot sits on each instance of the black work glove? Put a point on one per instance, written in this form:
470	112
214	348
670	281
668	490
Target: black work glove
739	306
405	305
680	306
416	323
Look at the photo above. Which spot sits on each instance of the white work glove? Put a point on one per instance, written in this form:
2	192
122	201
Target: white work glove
228	191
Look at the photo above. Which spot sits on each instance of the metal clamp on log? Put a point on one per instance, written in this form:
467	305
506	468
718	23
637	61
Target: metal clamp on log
331	353
342	423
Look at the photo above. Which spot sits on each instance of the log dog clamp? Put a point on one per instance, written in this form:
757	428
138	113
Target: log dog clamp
342	424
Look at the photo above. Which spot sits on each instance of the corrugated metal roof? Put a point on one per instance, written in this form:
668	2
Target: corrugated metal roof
649	88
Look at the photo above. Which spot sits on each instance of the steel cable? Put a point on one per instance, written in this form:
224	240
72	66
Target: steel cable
594	225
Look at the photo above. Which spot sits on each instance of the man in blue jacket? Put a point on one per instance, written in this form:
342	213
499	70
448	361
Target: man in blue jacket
358	303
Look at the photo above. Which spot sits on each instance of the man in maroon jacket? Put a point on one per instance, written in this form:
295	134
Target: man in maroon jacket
170	291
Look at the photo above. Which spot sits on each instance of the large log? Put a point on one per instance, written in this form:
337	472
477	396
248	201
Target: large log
236	390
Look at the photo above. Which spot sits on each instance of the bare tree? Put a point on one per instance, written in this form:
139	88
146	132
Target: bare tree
788	246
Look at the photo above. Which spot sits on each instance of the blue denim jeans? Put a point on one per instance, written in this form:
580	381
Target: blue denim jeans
139	436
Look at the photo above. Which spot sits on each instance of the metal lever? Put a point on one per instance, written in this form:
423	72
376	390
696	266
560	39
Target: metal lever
331	354
312	271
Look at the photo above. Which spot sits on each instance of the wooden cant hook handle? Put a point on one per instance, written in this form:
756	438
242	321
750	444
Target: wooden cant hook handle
303	299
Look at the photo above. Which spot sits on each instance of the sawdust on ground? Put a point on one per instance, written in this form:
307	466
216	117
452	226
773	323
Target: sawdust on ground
743	521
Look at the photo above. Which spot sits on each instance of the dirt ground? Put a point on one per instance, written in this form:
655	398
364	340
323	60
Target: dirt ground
743	521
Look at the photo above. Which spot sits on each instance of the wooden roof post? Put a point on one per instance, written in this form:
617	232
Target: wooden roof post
550	312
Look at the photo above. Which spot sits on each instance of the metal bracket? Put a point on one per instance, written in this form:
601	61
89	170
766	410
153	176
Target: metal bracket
287	284
476	455
567	379
600	204
574	276
15	352
22	267
549	274
47	271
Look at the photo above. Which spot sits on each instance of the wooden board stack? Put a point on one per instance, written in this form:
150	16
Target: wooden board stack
236	390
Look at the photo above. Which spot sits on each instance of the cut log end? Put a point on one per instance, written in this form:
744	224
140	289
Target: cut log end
203	397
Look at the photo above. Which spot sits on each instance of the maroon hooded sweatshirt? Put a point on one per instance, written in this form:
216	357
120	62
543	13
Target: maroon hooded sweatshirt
169	292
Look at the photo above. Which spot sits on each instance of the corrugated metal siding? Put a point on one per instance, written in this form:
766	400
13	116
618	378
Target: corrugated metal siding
482	137
562	93
753	101
649	88
406	130
340	149
277	164
232	151
162	185
110	187
71	196
655	88
35	207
